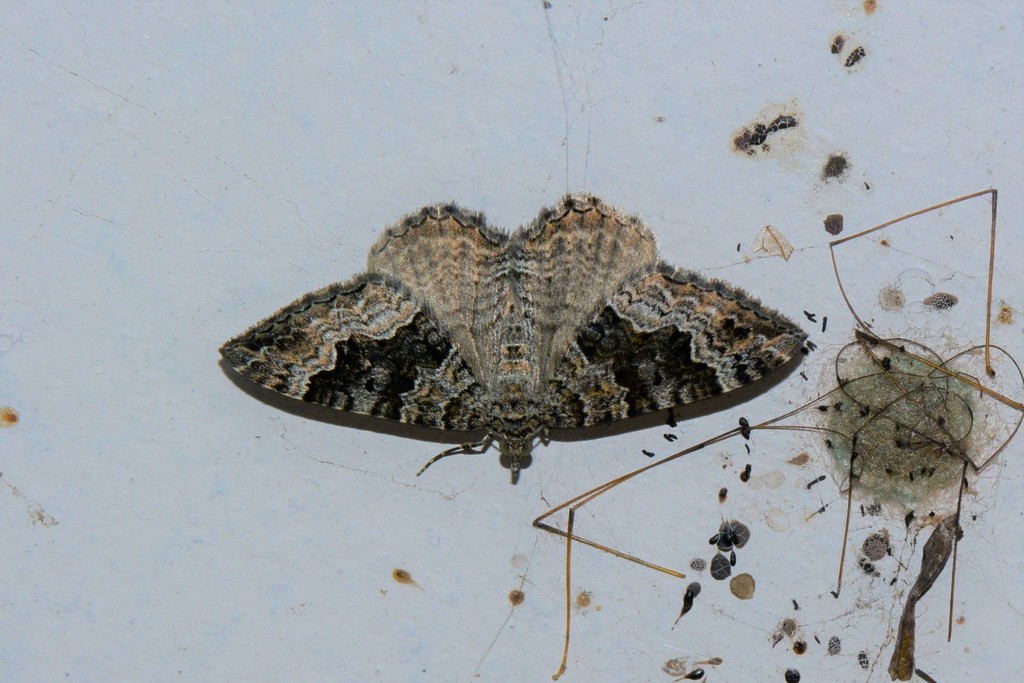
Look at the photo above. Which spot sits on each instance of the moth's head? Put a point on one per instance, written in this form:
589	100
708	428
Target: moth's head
516	454
520	421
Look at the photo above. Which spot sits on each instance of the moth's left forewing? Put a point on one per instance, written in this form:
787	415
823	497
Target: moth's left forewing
366	346
667	338
284	351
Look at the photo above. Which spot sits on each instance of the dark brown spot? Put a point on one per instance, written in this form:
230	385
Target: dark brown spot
837	44
516	597
834	223
800	647
835	166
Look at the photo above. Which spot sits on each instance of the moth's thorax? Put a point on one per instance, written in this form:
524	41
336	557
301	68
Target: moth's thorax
517	410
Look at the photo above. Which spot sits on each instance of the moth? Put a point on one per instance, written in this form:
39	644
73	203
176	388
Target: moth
571	321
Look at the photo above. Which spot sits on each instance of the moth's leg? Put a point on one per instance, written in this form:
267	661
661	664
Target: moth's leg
850	479
473	448
956	539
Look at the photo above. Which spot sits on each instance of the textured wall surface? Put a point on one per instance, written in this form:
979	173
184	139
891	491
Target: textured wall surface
173	173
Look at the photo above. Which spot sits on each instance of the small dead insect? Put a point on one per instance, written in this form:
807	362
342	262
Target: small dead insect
897	397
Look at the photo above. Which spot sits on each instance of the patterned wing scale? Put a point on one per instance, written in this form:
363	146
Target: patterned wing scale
665	339
367	347
571	259
457	267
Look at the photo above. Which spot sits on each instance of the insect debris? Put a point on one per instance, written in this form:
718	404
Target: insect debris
891	392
